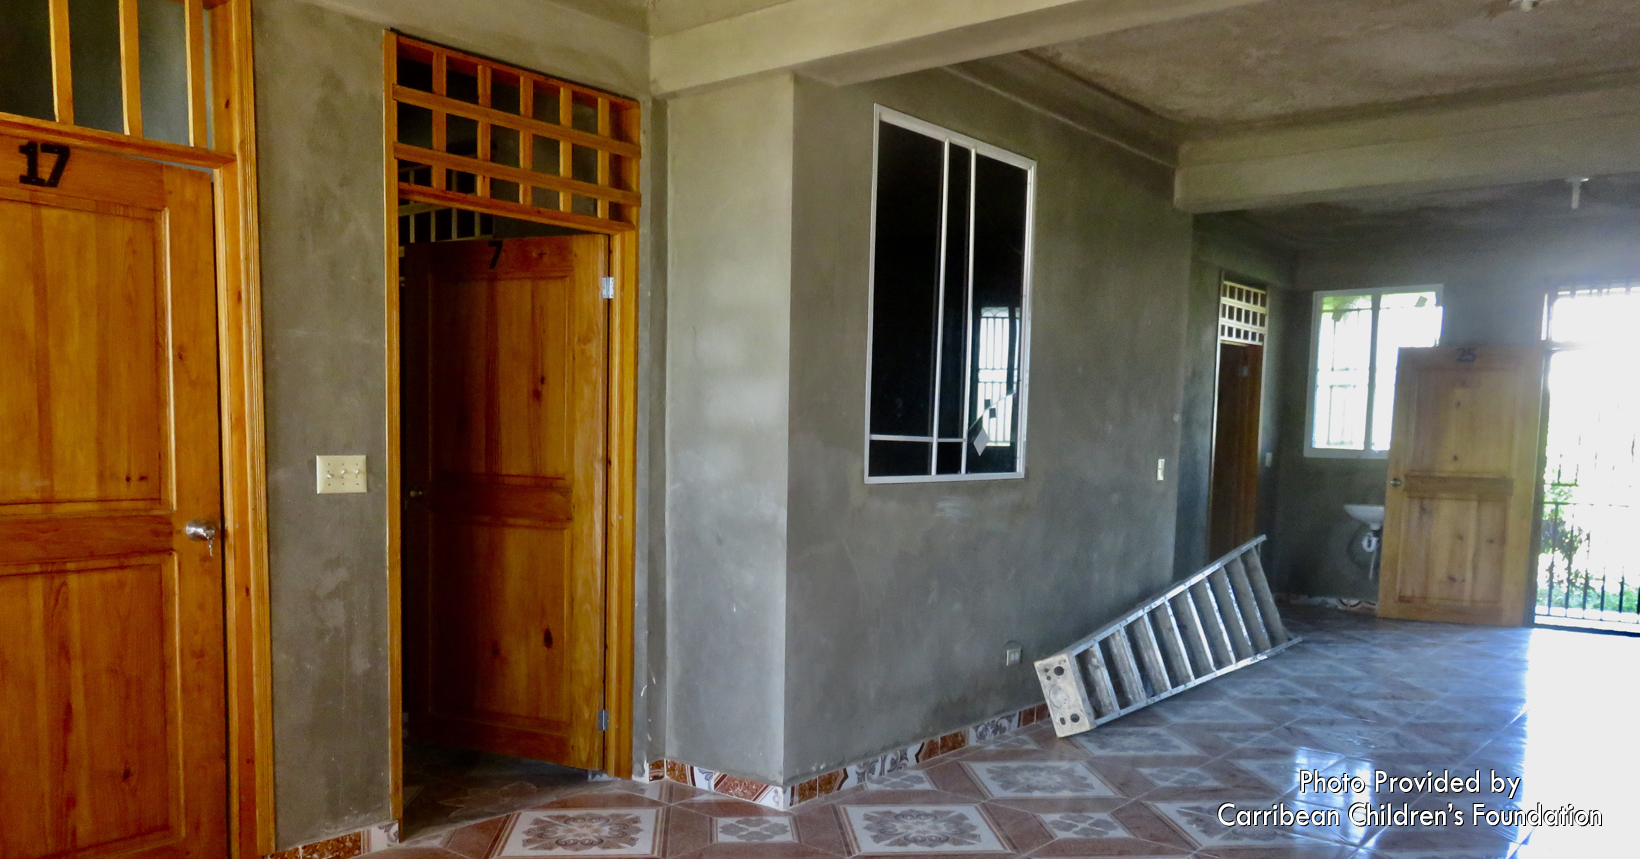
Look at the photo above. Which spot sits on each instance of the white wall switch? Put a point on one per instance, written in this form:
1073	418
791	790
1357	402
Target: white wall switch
1161	469
342	474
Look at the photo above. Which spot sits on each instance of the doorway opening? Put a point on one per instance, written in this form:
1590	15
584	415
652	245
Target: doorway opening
512	207
1588	559
503	417
1233	502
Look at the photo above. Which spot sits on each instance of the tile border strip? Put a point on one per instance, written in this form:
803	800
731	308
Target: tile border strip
825	784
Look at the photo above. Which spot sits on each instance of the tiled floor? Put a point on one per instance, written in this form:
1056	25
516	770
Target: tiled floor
447	788
1359	695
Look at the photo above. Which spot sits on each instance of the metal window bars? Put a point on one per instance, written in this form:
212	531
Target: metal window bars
1218	620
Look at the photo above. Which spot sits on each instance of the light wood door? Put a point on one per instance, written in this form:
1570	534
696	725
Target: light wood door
504	438
112	715
1233	502
1460	508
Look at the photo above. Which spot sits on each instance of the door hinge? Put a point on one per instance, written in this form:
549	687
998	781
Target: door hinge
603	720
607	287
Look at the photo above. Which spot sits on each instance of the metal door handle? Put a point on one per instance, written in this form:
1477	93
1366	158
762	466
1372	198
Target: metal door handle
202	531
1395	481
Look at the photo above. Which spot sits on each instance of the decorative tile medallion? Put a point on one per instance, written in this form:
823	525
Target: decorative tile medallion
1133	741
1038	778
1180	777
1079	824
583	832
754	830
878	829
901	780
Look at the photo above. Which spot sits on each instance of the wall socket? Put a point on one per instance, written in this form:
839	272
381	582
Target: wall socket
1011	653
339	474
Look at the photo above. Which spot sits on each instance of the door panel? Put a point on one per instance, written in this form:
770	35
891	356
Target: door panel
505	423
112	712
1463	469
1233	504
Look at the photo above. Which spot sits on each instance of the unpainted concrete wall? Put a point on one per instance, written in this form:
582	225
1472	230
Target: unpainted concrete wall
319	109
728	322
900	597
1495	285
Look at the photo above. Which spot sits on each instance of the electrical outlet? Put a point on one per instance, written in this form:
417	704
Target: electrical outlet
1161	469
339	474
1011	653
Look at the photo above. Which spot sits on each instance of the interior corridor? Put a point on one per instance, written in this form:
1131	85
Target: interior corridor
1357	695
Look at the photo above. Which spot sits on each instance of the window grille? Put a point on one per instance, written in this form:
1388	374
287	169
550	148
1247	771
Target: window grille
1244	313
473	133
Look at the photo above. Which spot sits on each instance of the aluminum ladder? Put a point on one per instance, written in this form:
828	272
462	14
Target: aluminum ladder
1220	619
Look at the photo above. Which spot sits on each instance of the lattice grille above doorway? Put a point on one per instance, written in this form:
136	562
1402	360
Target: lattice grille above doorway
476	134
1244	313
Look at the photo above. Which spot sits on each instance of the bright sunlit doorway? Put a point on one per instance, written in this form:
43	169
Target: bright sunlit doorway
1588	572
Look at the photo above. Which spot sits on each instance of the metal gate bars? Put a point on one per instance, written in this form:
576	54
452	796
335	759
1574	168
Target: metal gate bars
1212	623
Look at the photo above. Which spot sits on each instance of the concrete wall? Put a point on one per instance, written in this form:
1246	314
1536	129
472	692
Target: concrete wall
1494	289
319	107
899	598
318	97
728	325
1222	249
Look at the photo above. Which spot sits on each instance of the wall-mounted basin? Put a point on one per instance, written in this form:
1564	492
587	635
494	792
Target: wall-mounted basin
1367	514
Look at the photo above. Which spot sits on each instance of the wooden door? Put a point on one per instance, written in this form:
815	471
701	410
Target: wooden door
112	712
1460	508
1233	504
504	438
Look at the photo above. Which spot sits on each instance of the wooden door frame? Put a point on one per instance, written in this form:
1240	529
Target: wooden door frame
232	162
621	477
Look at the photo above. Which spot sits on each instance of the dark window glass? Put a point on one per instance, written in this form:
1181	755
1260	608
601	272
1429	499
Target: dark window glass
25	54
415	74
948	308
899	458
94	62
1000	192
906	278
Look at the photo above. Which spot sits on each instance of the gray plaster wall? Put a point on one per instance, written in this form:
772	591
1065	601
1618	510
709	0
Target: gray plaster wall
319	108
1495	285
729	322
1220	250
319	143
900	598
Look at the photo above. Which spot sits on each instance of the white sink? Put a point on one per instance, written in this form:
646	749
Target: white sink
1366	514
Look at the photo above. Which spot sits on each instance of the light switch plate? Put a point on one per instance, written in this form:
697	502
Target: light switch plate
1161	469
338	474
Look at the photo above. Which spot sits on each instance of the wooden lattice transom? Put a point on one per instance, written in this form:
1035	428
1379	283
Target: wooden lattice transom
476	134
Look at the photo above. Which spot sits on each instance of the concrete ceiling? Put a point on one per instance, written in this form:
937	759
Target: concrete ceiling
1285	59
1532	205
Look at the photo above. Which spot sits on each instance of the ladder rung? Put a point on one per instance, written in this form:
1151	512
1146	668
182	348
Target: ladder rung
1249	608
1172	644
1100	688
1266	602
1150	656
1231	615
1133	689
1195	638
1208	612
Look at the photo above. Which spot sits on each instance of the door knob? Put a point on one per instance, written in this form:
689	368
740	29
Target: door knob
202	531
1395	481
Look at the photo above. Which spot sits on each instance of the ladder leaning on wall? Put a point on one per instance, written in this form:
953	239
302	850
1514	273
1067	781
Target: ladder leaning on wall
1218	620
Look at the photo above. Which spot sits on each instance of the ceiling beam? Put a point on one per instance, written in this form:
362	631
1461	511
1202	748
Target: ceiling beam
851	41
1587	133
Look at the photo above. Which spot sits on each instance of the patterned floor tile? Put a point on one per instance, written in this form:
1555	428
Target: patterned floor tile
755	830
1200	822
1038	778
1108	740
1083	825
937	829
583	832
901	780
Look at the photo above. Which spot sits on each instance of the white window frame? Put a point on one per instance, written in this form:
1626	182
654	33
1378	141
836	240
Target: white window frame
1377	293
883	114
